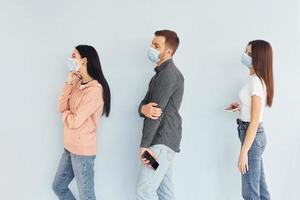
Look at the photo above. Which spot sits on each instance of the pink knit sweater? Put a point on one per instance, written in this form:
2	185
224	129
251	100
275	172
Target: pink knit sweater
81	107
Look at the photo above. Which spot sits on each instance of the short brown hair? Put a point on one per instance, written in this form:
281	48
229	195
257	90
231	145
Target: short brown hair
172	39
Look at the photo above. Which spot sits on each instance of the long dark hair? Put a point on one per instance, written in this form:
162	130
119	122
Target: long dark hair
262	60
94	69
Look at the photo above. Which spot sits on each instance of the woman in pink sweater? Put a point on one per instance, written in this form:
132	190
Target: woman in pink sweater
84	98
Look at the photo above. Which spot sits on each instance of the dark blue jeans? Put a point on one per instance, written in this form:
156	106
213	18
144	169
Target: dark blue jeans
254	185
80	167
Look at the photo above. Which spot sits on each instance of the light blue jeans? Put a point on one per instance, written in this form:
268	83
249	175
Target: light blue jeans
157	184
80	167
254	185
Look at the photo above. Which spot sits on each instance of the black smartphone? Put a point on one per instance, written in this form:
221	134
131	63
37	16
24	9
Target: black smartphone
154	164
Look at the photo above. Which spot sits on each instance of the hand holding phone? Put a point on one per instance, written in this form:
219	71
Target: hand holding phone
152	162
233	107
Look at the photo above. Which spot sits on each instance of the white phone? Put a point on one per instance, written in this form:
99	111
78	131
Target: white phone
232	110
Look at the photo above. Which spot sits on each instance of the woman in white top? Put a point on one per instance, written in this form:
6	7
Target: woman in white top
254	96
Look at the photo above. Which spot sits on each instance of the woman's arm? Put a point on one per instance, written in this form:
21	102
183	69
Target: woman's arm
91	101
251	133
254	123
63	100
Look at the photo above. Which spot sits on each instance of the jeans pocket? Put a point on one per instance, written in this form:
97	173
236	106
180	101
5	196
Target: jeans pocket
170	155
156	149
260	140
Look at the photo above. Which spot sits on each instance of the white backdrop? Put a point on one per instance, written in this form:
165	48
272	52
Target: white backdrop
38	36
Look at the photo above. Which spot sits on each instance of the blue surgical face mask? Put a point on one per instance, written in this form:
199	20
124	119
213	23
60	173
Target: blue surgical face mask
246	60
72	64
153	55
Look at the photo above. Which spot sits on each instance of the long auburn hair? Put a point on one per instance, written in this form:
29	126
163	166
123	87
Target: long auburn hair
262	61
94	69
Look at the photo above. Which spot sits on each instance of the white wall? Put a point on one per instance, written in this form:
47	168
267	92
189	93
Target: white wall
38	36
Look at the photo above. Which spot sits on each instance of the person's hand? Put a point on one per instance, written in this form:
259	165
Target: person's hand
233	107
243	162
72	76
144	160
151	111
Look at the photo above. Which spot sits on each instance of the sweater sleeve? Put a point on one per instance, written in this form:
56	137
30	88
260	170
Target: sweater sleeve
143	102
91	101
163	89
63	100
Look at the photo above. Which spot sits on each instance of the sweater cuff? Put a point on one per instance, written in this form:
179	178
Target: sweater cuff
68	85
64	115
139	110
145	144
67	89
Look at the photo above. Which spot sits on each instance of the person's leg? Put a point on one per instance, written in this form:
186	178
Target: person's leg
83	167
64	175
149	180
166	188
251	180
264	193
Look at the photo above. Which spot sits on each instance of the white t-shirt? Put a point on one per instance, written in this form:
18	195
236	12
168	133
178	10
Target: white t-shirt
253	87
